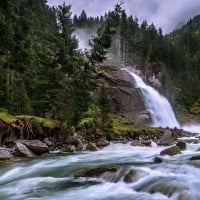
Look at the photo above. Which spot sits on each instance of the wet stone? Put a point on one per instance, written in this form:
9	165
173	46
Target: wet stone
171	151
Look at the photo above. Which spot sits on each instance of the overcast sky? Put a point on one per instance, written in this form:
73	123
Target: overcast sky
167	14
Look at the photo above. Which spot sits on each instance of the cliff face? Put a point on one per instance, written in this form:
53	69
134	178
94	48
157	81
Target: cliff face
126	99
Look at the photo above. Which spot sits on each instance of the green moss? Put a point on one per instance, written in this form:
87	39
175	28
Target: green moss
7	117
120	125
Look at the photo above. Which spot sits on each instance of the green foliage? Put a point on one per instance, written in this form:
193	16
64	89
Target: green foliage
91	118
88	123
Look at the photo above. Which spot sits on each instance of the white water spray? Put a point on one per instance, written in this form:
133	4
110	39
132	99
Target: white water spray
161	111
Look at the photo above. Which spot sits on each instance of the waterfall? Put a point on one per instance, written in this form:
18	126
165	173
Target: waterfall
159	107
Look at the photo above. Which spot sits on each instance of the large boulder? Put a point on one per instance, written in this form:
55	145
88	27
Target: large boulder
22	151
36	146
5	154
171	151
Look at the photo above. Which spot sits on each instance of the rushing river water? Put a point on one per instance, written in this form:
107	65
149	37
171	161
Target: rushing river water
52	177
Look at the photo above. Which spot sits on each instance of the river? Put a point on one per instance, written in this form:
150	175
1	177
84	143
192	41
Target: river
52	178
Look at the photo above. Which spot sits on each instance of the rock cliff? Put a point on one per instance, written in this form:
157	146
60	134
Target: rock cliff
126	99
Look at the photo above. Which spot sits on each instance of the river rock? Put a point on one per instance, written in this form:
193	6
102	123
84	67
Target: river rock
167	138
91	147
95	172
134	175
68	148
10	139
130	176
102	143
167	189
136	143
158	160
196	157
5	153
48	141
181	145
36	146
146	142
22	151
75	141
171	151
186	196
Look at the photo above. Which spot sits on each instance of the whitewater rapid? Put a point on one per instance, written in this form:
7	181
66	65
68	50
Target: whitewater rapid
52	177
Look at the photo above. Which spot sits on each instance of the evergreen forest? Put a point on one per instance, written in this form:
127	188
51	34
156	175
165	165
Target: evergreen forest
44	73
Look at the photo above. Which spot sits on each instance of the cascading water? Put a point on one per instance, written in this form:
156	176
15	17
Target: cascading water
159	107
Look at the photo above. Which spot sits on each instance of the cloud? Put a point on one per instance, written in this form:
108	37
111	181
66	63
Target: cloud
166	14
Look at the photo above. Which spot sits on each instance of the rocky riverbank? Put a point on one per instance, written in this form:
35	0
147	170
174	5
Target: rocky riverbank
27	142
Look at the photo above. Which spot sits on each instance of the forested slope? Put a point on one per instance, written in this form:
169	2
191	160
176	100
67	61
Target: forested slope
43	73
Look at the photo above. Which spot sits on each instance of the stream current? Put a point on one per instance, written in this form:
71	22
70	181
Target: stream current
51	178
